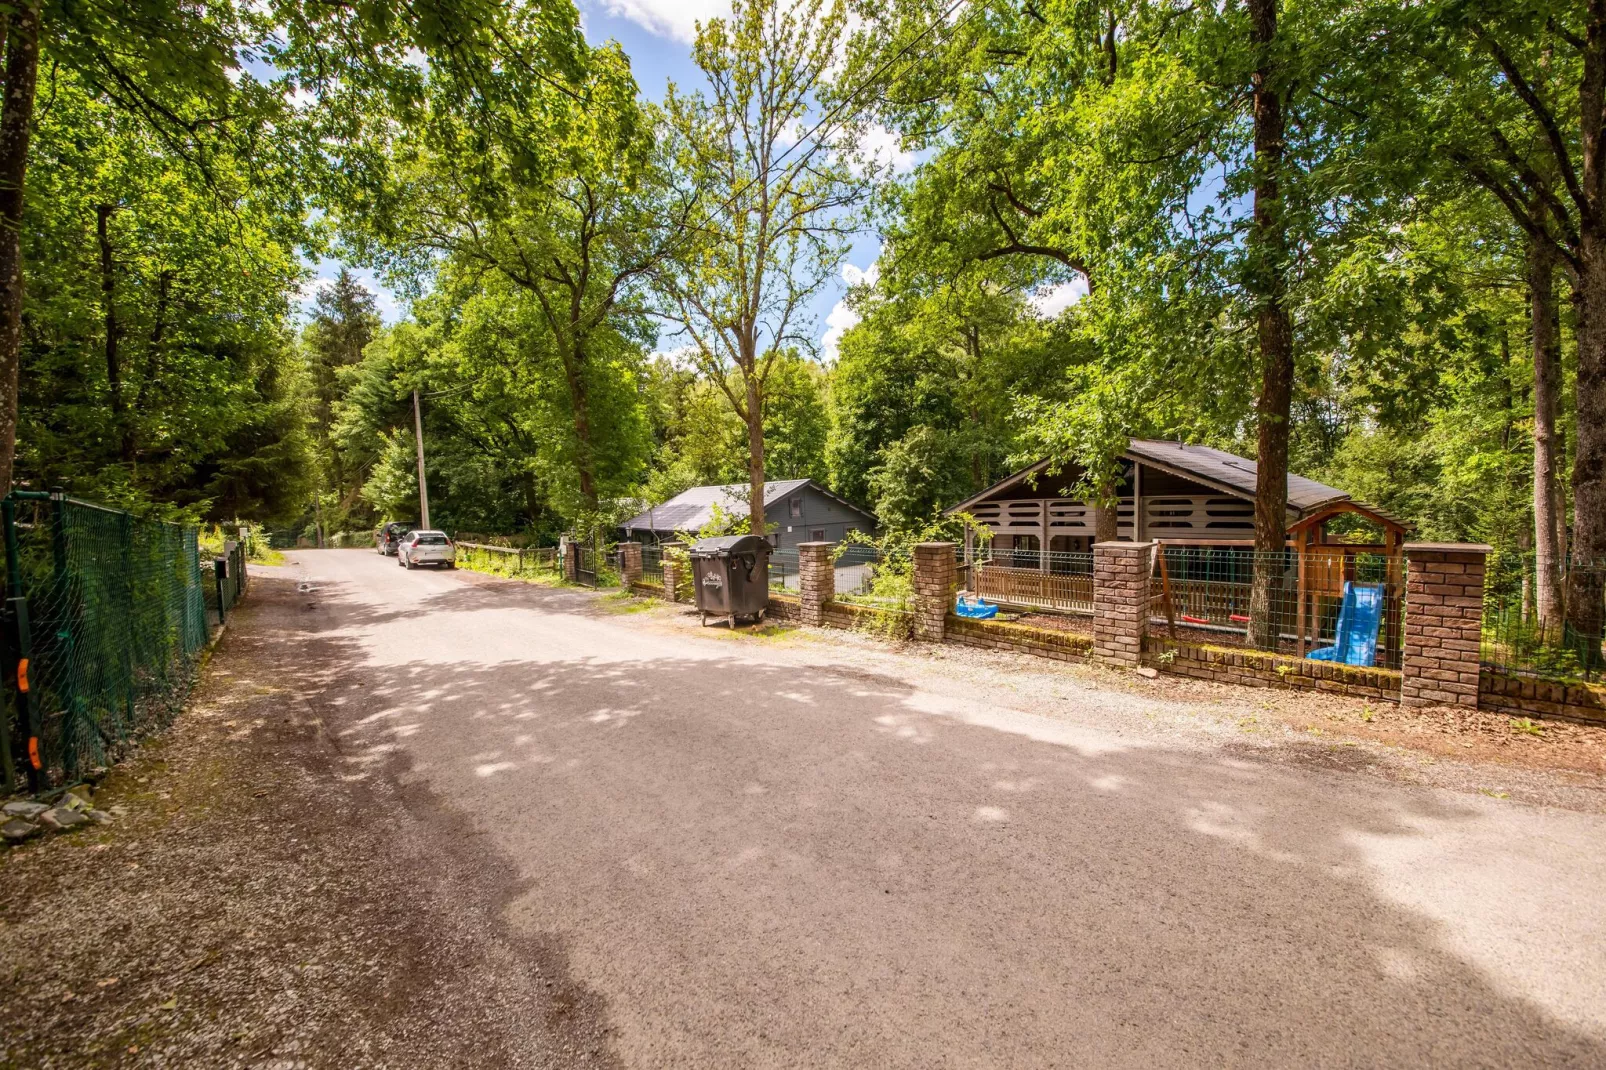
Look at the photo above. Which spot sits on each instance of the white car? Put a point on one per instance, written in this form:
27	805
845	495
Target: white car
426	548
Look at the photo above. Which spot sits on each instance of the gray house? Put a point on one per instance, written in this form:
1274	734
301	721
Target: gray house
795	510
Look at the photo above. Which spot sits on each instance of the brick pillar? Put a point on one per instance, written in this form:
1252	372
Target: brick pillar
936	577
571	560
671	577
1120	601
816	580
629	563
1443	623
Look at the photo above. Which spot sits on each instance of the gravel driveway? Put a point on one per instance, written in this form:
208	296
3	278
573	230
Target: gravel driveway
612	836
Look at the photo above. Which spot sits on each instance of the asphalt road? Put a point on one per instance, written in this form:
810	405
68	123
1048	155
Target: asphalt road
759	853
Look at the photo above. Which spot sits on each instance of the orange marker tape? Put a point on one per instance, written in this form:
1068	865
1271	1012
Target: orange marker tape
22	675
33	752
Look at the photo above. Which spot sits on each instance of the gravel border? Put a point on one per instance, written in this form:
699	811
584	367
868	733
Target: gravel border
255	907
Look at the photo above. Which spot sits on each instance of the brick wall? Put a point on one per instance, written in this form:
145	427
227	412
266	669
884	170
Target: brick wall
1020	638
1255	668
571	561
629	563
816	580
1120	601
1443	624
1520	696
935	581
671	581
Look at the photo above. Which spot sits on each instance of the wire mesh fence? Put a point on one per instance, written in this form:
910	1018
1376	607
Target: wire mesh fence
529	562
116	616
784	574
864	573
652	564
1544	621
1331	603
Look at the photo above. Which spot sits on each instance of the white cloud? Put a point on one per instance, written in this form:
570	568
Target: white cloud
841	317
674	19
879	147
1051	301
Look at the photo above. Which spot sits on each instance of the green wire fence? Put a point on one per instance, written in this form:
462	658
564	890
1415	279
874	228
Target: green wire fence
111	612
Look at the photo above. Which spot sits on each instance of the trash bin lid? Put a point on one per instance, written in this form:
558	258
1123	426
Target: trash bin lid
725	545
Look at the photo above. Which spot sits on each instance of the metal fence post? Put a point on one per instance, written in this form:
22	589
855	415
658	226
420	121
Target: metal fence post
61	567
220	568
16	620
125	532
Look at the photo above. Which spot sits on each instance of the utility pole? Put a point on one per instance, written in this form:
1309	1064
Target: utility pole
423	485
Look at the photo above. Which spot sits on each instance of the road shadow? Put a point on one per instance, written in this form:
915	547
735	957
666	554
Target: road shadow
755	862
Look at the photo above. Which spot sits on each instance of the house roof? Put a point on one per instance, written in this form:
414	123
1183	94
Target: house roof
1226	472
692	509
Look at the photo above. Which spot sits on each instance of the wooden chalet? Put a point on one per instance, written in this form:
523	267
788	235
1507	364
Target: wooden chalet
1189	498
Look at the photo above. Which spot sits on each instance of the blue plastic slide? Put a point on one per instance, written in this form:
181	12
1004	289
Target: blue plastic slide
1358	621
977	610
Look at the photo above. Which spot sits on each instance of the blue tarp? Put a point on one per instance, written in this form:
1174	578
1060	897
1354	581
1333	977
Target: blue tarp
1358	621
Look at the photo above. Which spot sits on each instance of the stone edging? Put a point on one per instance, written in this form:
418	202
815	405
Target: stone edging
1257	668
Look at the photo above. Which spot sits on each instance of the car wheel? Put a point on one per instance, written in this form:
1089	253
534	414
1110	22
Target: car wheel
399	562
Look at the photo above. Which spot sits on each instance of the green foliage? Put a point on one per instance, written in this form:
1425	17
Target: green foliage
157	366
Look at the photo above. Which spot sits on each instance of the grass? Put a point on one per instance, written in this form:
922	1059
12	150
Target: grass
622	602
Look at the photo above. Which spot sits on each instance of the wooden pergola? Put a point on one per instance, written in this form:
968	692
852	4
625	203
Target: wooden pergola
1325	564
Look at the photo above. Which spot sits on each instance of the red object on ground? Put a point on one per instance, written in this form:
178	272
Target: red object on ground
1195	620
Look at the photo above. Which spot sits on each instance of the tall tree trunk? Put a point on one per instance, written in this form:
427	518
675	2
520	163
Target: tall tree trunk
1561	494
1107	518
114	332
1586	574
16	115
754	416
580	407
1546	337
1268	258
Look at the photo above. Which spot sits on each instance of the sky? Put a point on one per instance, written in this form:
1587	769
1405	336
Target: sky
657	35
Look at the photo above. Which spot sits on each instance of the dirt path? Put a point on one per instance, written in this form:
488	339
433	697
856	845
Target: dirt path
258	906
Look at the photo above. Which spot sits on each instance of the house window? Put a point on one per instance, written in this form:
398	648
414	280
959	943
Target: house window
796	507
817	535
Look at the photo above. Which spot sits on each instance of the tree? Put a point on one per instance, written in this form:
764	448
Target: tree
343	323
925	385
767	225
1511	95
559	194
1148	148
156	368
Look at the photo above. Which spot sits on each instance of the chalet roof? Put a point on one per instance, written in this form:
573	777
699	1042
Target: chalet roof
1223	471
693	509
1228	471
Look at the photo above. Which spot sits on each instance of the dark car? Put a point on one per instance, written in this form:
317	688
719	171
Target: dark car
387	538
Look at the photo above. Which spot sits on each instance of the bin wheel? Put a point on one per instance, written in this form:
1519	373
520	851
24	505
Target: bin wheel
704	617
761	616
